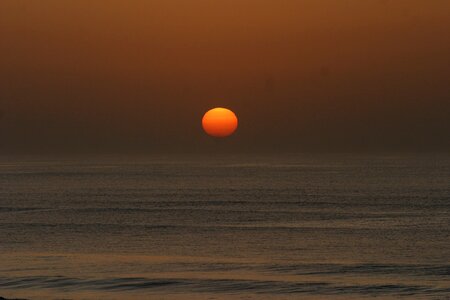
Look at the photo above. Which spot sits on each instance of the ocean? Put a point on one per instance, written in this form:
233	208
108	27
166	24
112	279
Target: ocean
225	227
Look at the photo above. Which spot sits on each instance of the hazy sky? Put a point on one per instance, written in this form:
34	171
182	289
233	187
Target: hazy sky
302	75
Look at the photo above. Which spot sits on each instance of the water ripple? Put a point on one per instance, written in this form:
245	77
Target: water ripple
169	285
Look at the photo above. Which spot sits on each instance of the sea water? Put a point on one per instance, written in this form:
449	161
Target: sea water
225	227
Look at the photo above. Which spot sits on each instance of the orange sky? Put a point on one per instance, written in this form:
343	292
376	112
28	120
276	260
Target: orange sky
301	75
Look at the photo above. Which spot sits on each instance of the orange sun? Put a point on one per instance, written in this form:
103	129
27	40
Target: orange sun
219	122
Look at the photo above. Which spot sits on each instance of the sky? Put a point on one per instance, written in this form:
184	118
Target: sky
301	75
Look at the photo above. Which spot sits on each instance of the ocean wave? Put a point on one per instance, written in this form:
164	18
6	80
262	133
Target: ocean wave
169	285
360	269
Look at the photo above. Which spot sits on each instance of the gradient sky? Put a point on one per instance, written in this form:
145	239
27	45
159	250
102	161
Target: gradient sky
302	75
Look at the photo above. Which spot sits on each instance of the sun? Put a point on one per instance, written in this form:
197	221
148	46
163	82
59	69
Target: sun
219	122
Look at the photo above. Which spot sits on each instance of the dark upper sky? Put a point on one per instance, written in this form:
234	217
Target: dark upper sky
302	75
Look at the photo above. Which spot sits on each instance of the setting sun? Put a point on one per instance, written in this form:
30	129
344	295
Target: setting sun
219	122
195	149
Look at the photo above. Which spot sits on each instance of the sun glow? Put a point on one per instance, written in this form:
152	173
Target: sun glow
219	122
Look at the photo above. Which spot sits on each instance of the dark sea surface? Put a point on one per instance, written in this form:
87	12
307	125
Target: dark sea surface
225	227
